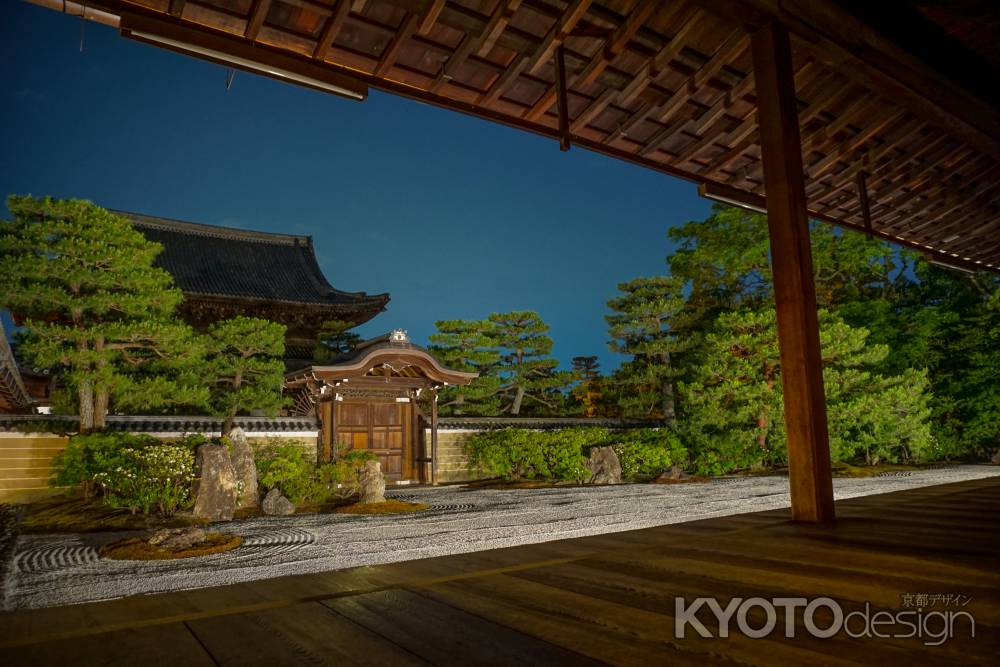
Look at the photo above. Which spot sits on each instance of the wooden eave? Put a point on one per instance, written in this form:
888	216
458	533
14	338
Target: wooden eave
356	371
666	85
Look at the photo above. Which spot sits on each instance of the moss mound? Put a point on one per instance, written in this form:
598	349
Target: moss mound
137	548
387	507
76	515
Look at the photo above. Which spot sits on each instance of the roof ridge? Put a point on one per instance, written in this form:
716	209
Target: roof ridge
215	231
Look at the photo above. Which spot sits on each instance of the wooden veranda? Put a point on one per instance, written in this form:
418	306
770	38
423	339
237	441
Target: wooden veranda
607	599
880	117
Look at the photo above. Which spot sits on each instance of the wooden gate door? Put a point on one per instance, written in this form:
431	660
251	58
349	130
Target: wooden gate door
379	427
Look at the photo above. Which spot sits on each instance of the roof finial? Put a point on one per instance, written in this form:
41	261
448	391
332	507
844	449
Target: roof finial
399	336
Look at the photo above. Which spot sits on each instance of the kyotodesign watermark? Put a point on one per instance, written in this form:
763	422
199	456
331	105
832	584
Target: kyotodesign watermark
824	617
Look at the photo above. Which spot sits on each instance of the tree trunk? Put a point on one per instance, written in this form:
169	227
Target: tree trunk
100	408
86	395
101	390
669	408
518	398
227	425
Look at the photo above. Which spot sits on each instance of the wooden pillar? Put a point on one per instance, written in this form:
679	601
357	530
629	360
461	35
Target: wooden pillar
334	444
794	290
434	438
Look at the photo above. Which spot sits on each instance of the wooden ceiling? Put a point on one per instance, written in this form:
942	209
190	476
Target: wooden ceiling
667	84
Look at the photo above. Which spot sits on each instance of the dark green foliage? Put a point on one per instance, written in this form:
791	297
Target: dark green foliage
641	326
645	453
132	471
515	453
334	339
510	351
288	467
527	373
97	311
244	367
468	345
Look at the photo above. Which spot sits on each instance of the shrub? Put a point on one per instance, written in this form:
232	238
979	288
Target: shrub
88	455
645	453
147	476
288	468
514	453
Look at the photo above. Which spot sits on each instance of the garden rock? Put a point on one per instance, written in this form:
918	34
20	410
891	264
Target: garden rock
372	483
604	466
676	473
996	457
177	538
276	504
245	469
215	495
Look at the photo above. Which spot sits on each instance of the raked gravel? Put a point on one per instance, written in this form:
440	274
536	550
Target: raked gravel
49	570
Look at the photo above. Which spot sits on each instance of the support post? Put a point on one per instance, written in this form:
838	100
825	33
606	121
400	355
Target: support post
434	439
334	452
794	289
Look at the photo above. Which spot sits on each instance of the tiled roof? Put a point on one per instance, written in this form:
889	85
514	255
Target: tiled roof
13	395
161	424
220	261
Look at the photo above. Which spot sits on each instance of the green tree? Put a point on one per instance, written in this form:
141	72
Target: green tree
94	306
334	339
733	402
525	370
641	325
245	367
585	397
468	345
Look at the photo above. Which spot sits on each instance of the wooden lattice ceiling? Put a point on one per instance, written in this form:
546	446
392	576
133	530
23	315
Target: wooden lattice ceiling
666	84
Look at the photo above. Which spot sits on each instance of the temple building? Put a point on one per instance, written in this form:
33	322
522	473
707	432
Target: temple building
380	397
225	272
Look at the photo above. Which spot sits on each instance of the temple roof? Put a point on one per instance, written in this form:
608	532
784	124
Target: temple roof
13	395
212	261
392	351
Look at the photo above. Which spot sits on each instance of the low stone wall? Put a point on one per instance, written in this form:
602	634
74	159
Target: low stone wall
26	456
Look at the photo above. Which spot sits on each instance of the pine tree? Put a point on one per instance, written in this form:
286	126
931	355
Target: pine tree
468	345
642	326
245	368
94	306
526	371
734	414
334	339
587	393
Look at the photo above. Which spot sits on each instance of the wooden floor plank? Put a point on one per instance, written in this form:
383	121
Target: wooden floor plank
158	646
304	634
446	636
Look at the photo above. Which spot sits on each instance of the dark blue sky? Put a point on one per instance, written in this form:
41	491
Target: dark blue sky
456	217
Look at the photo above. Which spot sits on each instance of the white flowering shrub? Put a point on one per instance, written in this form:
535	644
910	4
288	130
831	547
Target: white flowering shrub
149	477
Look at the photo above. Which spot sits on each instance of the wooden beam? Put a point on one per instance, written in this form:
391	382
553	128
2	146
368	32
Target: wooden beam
866	214
391	52
177	7
256	22
563	101
795	293
431	17
331	29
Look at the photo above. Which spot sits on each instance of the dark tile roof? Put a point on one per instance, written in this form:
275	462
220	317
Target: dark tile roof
221	261
539	423
160	423
13	394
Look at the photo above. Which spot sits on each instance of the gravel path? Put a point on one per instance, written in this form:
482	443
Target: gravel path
50	570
